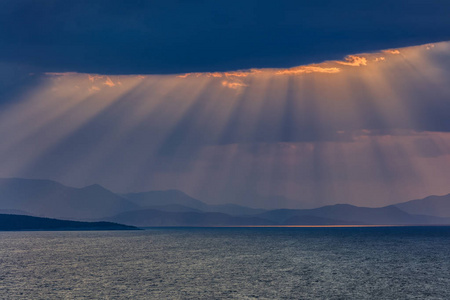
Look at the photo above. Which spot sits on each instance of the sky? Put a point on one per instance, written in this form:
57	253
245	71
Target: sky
298	104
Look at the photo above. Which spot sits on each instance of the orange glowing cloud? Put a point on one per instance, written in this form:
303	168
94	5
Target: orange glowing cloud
392	51
238	79
184	75
245	73
233	85
354	61
239	73
94	77
109	82
329	67
215	74
221	74
307	70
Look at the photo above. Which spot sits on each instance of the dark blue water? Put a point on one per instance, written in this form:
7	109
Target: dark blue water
222	263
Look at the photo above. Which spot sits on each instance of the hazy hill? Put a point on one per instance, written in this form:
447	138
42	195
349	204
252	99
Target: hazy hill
165	200
160	198
234	209
51	199
433	205
349	214
20	222
327	215
175	208
46	198
153	217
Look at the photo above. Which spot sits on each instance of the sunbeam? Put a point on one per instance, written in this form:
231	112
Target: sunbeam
369	130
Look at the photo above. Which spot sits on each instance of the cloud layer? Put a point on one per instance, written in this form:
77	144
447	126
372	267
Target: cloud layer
149	37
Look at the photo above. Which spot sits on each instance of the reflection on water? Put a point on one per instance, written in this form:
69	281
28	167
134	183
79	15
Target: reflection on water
244	263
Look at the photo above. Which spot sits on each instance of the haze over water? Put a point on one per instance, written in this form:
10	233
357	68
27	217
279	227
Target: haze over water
222	263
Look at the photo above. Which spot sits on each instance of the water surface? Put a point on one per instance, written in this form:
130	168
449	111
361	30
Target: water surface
221	263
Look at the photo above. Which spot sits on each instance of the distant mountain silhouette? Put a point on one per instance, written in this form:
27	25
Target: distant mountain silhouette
20	222
160	199
328	215
46	198
349	214
153	217
234	209
433	205
173	208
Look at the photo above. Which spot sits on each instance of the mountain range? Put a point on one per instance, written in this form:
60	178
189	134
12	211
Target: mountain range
46	198
433	205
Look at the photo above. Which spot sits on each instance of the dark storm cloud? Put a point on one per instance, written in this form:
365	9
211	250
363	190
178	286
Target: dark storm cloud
170	36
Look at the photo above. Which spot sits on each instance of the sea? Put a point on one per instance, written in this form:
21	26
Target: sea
228	263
